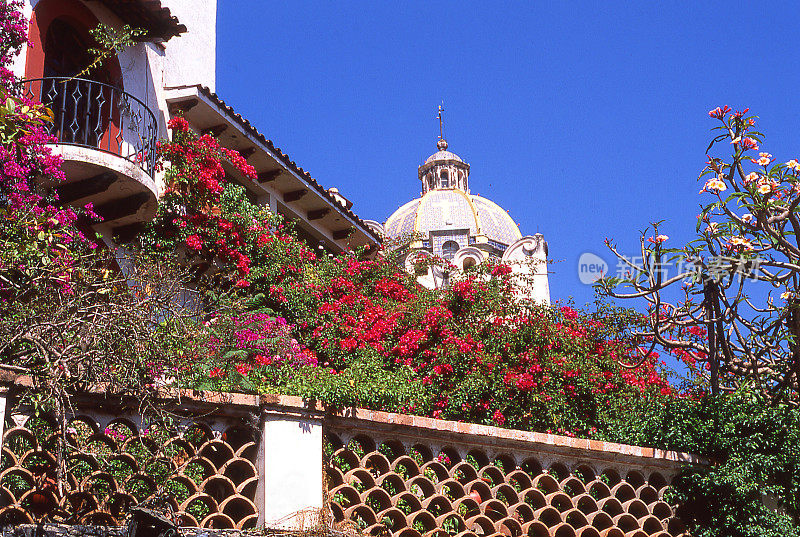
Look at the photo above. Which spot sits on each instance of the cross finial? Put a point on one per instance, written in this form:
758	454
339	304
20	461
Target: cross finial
442	143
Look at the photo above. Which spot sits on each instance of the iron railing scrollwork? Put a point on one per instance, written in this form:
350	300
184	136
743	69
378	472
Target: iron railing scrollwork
97	115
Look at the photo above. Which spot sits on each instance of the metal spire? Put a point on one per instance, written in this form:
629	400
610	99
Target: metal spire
442	143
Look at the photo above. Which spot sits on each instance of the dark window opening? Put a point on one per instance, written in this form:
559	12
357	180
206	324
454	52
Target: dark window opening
444	179
449	249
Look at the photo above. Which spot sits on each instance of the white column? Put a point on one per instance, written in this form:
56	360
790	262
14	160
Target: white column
3	399
292	474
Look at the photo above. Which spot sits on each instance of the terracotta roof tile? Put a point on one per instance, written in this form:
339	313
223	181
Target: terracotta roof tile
243	122
149	15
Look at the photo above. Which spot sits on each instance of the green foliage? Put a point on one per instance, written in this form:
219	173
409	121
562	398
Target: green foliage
16	118
110	41
365	384
753	450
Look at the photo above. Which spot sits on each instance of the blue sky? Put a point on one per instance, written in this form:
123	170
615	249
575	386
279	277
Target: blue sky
584	120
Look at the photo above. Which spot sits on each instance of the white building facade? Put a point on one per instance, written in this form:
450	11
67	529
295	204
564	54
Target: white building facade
108	120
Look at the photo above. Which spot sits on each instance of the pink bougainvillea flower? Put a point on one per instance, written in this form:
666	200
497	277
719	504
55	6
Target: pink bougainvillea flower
499	418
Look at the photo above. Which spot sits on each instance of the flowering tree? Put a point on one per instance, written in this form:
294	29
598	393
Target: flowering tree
736	314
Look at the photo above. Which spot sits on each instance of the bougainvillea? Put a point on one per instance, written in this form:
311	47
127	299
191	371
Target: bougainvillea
262	312
41	240
195	212
13	35
470	352
278	317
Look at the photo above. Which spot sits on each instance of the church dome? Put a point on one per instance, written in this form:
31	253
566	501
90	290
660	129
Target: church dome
452	210
447	218
443	155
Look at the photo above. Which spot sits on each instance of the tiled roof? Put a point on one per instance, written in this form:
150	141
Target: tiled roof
149	15
441	210
292	165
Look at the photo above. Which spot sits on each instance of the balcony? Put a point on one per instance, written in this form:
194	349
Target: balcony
107	139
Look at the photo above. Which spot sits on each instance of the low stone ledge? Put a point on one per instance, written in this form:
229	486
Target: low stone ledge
406	425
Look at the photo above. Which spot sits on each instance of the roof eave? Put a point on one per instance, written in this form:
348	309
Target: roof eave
362	234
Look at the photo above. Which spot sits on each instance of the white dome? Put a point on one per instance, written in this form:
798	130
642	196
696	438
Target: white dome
443	155
452	209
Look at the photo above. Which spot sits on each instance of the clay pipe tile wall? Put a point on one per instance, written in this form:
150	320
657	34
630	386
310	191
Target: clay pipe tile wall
206	468
431	478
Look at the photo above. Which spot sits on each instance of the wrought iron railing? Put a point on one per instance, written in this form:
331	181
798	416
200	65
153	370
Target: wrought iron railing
97	115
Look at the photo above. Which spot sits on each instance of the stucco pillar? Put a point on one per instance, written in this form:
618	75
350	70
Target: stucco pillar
291	470
4	390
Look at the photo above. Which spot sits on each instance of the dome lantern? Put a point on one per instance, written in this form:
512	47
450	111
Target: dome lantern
443	170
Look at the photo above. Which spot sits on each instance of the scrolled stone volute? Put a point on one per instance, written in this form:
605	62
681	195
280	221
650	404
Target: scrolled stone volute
528	259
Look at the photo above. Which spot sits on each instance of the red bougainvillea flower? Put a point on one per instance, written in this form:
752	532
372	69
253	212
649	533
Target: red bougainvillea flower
499	418
501	270
569	313
194	242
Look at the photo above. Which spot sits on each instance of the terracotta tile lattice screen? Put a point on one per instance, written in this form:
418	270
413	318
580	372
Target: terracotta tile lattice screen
205	470
410	489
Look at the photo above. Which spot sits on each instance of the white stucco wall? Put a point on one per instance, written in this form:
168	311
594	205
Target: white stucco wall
18	65
292	471
191	58
528	260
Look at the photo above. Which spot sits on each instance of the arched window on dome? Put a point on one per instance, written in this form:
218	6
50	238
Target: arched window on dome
449	249
444	179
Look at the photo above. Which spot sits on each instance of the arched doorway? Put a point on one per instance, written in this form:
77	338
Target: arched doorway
65	51
86	110
59	37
